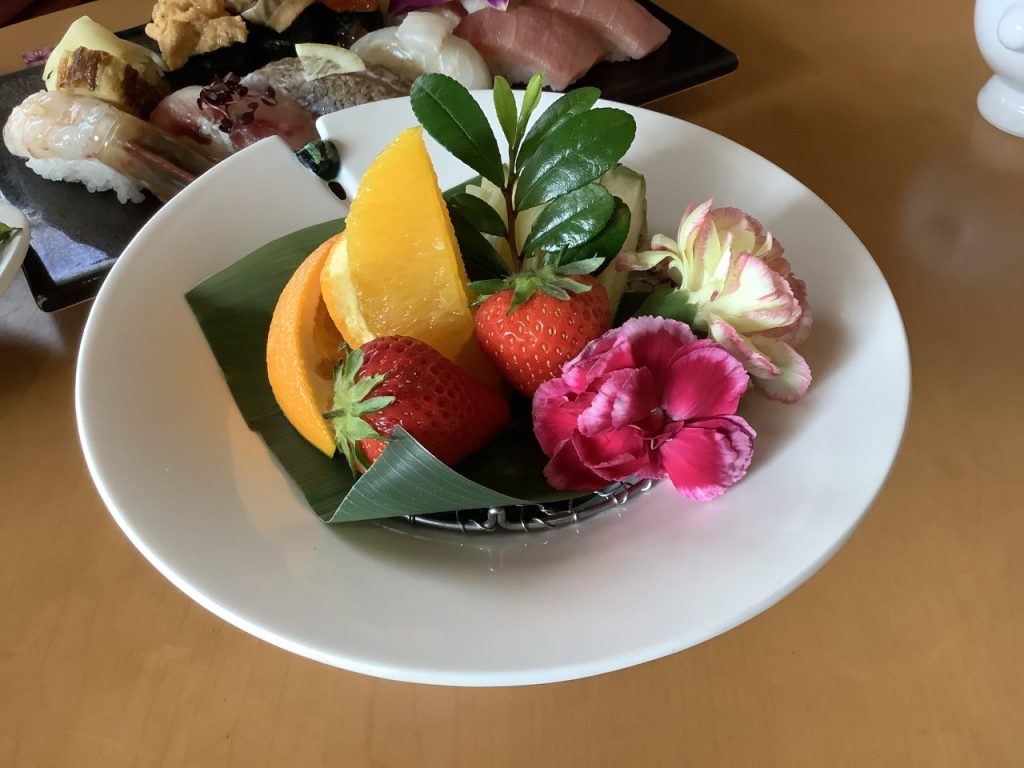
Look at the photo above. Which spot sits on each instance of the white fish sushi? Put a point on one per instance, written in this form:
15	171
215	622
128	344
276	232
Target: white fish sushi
424	43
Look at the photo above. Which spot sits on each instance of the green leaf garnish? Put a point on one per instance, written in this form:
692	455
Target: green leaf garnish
351	403
479	256
7	231
576	153
669	302
505	107
233	308
571	220
530	100
451	115
581	267
556	163
555	281
607	243
478	213
568	105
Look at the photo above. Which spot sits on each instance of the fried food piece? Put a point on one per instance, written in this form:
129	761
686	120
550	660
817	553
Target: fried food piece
276	14
183	28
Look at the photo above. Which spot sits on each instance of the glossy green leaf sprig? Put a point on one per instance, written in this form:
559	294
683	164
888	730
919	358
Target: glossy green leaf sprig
553	163
7	231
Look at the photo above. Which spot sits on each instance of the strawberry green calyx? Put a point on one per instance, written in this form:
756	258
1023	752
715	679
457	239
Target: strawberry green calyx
351	403
554	280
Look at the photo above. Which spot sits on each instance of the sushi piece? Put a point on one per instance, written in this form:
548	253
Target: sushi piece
227	116
82	139
85	72
527	39
624	27
329	94
90	60
424	42
323	95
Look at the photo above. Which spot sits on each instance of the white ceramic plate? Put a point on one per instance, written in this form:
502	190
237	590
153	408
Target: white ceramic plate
204	501
13	249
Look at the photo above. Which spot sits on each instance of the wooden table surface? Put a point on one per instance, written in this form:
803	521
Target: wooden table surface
905	650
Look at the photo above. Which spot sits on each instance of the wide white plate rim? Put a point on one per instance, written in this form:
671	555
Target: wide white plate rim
445	676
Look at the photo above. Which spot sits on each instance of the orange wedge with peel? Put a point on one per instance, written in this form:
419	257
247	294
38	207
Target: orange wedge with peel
398	271
303	348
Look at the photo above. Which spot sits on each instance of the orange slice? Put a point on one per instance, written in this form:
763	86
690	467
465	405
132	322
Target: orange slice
399	271
303	348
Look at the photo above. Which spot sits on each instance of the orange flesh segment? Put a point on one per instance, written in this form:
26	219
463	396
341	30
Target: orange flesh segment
399	270
303	348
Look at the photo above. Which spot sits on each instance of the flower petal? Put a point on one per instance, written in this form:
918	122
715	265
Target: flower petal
693	217
642	260
654	341
747	232
755	298
771	254
625	397
705	458
617	454
794	375
795	333
566	471
705	380
556	410
754	361
609	352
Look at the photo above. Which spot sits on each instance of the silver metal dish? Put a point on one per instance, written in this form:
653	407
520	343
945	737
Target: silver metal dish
535	517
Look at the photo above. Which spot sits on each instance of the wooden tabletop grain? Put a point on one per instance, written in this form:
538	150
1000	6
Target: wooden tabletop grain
905	650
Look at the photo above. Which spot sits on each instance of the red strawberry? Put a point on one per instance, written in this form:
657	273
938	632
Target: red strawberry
396	381
529	339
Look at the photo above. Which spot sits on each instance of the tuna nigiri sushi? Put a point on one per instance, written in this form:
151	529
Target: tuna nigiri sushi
527	39
625	28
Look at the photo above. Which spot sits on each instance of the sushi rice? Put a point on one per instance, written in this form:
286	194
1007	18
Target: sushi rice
96	176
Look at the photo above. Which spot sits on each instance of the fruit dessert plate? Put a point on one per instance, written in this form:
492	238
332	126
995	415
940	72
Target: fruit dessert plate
199	493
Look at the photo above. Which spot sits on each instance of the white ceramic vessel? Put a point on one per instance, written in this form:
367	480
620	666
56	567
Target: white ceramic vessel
12	250
202	498
999	27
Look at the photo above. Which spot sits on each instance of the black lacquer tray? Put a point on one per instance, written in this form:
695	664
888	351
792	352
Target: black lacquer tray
77	235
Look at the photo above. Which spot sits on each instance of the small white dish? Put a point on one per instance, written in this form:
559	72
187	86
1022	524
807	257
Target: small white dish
999	28
203	500
14	248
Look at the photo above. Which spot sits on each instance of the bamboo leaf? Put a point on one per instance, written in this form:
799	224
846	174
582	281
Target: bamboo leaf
451	115
233	309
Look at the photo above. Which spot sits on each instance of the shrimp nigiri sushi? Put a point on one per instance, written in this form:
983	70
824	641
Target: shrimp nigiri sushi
82	139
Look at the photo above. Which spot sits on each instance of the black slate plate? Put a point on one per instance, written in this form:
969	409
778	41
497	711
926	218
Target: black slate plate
77	235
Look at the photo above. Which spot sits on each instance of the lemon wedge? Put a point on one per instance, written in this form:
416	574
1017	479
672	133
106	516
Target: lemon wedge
320	60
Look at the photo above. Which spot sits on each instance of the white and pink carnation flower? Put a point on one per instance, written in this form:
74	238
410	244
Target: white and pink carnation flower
741	291
648	400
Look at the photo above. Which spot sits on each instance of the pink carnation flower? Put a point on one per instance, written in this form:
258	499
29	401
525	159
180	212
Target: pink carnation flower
741	292
648	400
